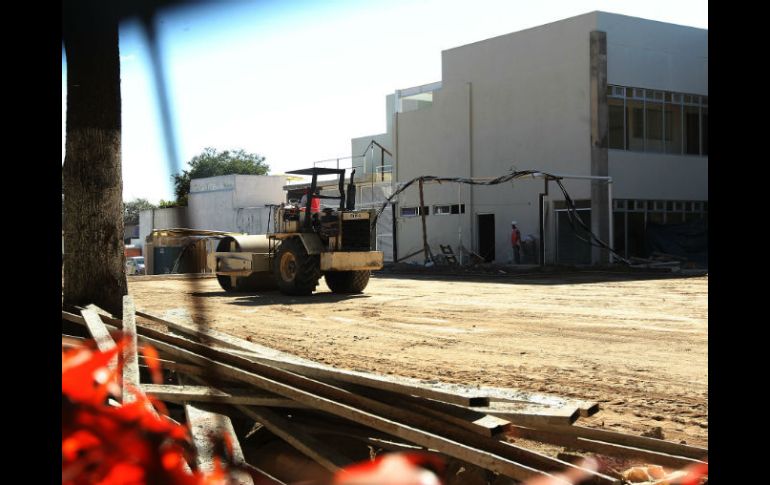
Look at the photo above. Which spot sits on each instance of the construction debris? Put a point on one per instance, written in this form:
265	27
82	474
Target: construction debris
302	402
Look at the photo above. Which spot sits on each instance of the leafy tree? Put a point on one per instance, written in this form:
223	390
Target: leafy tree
132	209
92	185
167	204
212	163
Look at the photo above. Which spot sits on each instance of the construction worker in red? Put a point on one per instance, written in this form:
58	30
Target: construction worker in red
516	243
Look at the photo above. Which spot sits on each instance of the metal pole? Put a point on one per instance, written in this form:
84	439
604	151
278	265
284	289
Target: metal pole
382	164
395	236
542	222
425	248
611	242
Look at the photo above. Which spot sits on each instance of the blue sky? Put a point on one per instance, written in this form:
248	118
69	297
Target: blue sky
295	81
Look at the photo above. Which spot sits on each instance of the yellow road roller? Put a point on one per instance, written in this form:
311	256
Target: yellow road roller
305	243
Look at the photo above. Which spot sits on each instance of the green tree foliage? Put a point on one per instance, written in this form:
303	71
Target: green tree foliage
212	163
132	209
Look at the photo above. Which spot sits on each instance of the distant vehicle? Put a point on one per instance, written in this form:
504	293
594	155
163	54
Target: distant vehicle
135	265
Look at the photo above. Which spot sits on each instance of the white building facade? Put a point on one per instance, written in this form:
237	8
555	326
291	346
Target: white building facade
600	95
230	203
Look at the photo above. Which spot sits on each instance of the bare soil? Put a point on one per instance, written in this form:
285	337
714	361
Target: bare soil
638	344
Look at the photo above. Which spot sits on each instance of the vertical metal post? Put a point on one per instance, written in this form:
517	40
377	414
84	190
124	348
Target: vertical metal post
542	221
382	164
425	247
611	242
395	235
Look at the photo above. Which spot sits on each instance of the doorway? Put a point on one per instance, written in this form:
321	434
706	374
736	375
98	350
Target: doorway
570	249
487	237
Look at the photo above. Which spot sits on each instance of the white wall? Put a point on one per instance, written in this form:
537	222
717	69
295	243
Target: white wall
655	55
518	101
174	217
211	203
662	177
253	220
258	190
522	101
234	202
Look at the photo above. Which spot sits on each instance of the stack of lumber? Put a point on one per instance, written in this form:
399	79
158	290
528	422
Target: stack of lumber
300	401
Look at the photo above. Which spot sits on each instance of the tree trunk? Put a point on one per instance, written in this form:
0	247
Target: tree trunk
94	261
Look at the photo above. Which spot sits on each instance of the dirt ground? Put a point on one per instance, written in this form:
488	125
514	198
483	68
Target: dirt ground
636	344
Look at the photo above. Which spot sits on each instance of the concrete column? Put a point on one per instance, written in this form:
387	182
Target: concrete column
600	214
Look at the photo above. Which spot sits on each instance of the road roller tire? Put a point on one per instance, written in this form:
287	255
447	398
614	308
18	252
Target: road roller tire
225	283
347	281
296	272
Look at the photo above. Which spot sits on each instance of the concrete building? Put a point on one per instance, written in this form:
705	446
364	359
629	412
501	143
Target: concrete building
599	94
230	203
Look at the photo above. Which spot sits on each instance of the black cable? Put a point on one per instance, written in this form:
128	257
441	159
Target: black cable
574	219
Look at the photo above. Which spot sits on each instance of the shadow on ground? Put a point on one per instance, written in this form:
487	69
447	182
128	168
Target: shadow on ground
274	297
533	274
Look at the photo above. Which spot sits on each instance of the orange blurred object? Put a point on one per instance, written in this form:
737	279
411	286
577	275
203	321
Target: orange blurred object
393	469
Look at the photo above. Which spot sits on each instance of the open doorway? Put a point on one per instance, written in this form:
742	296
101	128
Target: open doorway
570	248
487	236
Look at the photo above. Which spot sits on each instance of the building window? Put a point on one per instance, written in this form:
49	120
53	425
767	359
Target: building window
617	124
653	118
673	125
647	120
632	217
414	211
445	210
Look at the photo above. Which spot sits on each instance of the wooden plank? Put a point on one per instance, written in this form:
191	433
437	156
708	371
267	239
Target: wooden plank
412	419
130	359
587	408
611	449
212	336
464	417
302	441
214	395
261	477
447	393
529	414
204	426
72	342
275	380
98	330
643	442
487	421
100	334
167	364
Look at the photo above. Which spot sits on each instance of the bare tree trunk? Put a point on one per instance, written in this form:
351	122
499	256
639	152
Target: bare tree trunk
94	261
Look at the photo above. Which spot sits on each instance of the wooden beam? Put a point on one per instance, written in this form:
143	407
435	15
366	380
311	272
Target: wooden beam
72	342
214	395
643	442
604	448
261	477
302	441
204	427
464	417
447	393
130	359
100	334
487	421
529	414
167	364
284	383
587	408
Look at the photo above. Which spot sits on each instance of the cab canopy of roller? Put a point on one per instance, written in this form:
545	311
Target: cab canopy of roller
318	171
343	197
